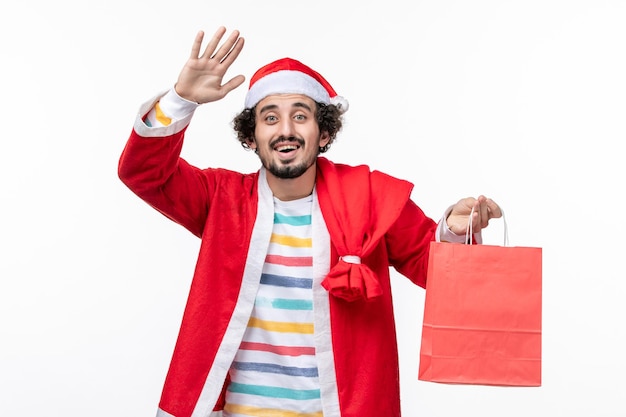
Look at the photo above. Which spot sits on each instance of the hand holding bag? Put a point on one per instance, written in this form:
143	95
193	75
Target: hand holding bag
482	314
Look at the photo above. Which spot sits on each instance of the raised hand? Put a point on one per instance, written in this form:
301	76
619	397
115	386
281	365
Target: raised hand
201	79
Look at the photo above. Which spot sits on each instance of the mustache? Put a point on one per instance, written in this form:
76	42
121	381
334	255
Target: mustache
282	139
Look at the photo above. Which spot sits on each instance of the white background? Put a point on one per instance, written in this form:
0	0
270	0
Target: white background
523	101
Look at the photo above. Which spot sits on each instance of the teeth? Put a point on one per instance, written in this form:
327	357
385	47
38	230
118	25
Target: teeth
286	148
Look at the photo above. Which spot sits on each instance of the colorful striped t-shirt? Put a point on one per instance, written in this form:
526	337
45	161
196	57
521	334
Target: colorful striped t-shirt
274	373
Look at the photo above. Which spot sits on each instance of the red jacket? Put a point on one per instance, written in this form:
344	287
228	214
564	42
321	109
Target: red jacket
356	212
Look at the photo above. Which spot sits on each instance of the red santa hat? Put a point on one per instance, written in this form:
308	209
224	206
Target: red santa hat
288	76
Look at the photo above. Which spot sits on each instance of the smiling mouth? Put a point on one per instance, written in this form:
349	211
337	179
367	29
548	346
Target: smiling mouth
285	145
286	148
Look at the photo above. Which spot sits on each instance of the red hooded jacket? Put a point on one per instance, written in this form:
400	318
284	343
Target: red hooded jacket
365	222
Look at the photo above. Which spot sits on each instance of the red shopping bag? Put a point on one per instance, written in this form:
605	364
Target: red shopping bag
482	315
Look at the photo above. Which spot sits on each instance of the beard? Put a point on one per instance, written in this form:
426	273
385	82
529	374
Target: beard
287	171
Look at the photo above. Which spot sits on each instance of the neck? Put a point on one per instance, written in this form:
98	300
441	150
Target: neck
292	188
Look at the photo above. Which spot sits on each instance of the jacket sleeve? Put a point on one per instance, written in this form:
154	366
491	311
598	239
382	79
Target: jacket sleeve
151	166
408	243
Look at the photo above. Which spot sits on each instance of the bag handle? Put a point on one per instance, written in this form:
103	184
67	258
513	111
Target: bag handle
469	234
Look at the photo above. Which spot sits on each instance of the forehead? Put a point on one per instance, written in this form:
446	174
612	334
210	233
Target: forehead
285	101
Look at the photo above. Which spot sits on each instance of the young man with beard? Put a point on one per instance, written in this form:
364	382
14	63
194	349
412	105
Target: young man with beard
290	310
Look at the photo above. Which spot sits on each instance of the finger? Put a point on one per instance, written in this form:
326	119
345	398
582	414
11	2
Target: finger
495	212
474	214
484	212
230	44
215	40
233	83
197	43
233	53
464	205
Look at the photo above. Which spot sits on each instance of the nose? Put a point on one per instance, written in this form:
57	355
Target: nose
286	127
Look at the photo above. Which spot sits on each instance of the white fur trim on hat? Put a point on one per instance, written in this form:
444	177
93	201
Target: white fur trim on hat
286	82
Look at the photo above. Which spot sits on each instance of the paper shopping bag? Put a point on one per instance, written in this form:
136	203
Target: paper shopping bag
482	315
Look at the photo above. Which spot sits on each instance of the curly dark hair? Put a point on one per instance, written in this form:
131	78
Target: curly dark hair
329	119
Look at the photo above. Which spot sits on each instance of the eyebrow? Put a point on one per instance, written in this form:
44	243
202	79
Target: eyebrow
275	106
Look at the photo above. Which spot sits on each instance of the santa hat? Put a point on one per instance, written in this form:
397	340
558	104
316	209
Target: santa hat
288	76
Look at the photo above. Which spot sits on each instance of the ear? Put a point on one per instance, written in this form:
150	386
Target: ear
251	143
324	139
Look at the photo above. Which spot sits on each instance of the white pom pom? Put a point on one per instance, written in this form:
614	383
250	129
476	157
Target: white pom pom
341	103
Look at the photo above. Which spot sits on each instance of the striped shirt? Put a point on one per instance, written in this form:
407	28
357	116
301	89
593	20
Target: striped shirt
274	373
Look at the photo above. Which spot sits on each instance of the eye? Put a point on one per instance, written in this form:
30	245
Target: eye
270	119
300	117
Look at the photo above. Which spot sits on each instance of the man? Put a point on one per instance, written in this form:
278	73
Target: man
290	311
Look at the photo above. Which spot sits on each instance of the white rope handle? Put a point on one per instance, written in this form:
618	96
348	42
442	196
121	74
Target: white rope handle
469	234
